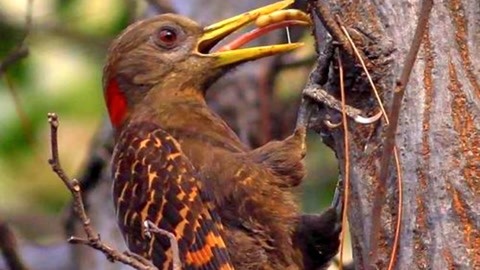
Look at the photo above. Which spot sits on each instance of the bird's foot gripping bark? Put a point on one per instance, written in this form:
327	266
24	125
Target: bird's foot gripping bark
318	237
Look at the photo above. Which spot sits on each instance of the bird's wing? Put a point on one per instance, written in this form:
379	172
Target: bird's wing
284	158
155	181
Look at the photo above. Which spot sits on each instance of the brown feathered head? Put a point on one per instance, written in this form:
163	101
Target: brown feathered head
171	55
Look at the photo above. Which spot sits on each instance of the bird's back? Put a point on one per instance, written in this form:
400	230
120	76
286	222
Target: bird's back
256	209
154	181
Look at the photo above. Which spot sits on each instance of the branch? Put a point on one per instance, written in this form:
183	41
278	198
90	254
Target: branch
93	238
21	51
150	227
93	171
14	56
316	93
8	246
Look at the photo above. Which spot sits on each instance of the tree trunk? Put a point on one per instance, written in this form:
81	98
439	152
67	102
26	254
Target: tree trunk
438	136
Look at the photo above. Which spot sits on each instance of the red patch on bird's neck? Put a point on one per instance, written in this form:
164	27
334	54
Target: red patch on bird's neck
116	103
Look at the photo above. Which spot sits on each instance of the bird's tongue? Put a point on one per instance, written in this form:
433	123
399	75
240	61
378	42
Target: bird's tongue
256	33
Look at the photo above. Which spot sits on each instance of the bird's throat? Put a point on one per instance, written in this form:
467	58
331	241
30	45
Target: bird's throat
116	103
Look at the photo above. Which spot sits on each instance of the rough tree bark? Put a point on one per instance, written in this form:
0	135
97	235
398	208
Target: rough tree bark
438	135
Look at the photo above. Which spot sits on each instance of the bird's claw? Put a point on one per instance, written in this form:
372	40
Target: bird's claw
318	94
331	125
357	118
367	120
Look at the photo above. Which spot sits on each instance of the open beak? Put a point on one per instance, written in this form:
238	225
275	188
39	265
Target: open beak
266	18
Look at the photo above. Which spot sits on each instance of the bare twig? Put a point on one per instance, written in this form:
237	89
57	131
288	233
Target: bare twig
138	257
93	171
346	182
93	238
21	113
393	256
150	227
394	116
28	19
8	246
16	55
21	50
318	94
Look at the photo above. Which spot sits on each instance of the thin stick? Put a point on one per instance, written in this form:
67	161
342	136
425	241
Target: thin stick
320	95
9	248
289	39
20	51
93	238
22	115
13	57
362	62
151	227
394	116
346	181
393	256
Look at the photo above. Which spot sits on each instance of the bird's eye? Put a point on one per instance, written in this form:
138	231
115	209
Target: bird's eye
166	37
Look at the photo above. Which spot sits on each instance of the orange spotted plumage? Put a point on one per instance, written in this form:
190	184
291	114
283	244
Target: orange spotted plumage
155	181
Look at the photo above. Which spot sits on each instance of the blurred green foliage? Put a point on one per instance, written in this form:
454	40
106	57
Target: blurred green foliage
67	44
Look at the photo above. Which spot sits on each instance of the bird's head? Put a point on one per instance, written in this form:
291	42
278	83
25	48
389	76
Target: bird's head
169	56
